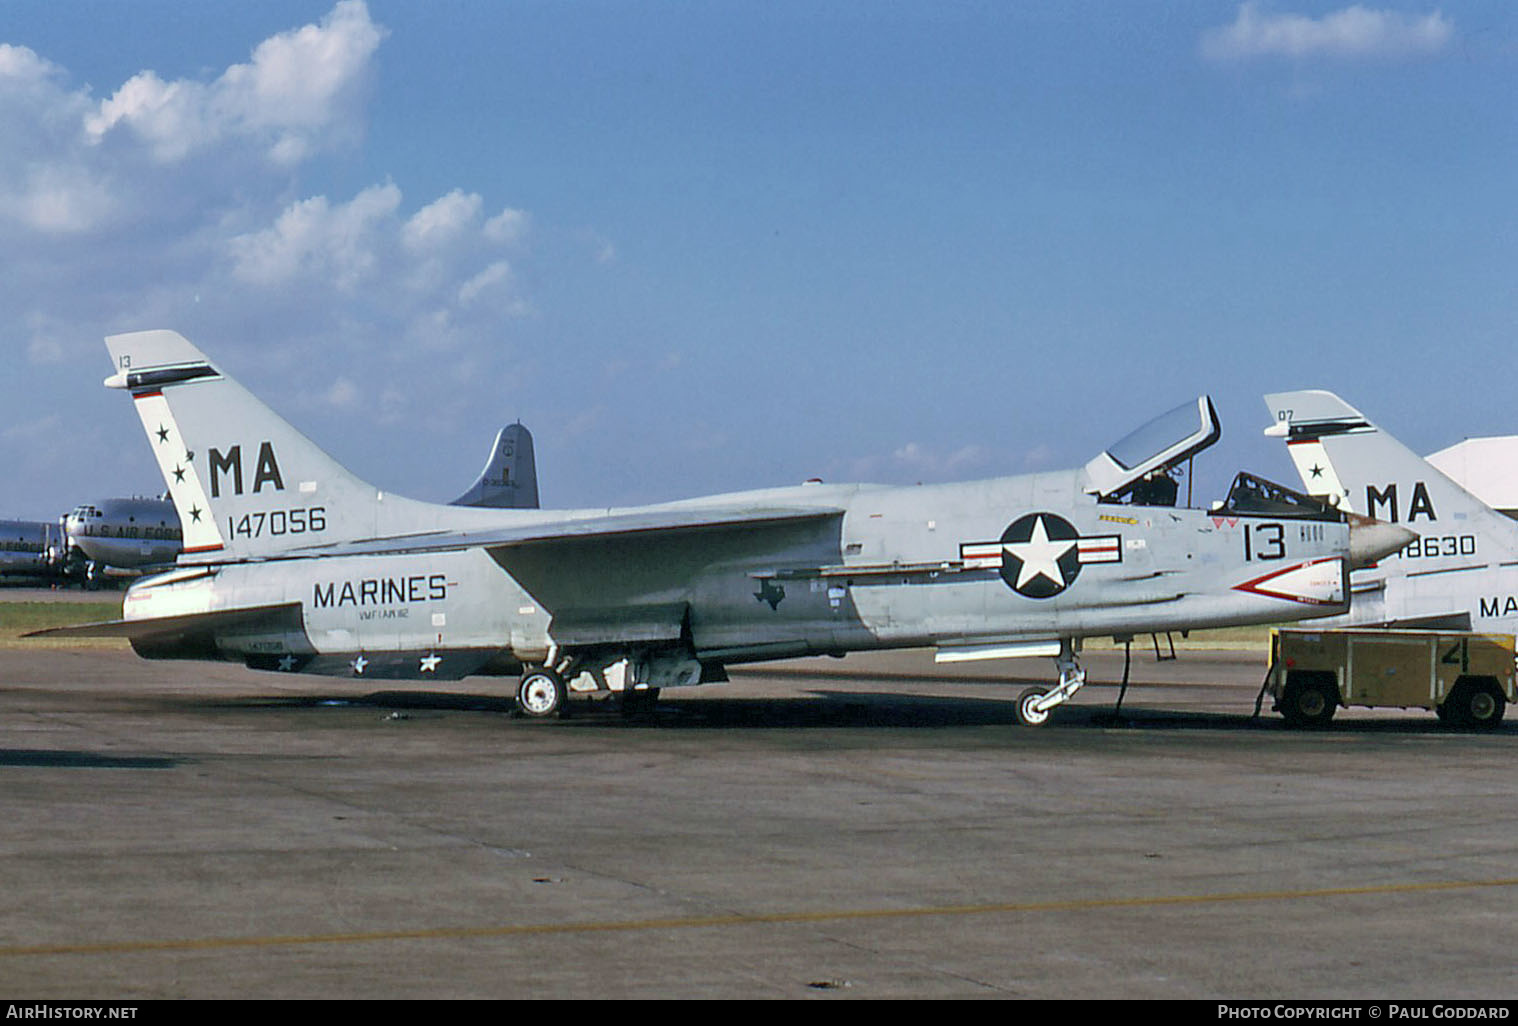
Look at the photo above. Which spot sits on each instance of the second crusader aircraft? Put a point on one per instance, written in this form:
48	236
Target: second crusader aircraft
292	564
1460	572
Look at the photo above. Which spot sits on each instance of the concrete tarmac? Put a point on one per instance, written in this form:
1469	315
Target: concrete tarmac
874	827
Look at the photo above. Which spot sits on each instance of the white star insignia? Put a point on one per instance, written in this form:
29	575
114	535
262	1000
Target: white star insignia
287	663
358	665
429	662
1040	556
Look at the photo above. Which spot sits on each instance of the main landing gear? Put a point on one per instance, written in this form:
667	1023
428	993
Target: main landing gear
541	693
636	677
1035	704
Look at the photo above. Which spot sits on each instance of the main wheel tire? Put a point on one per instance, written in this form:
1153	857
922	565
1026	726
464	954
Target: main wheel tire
1475	702
1027	715
541	693
1309	702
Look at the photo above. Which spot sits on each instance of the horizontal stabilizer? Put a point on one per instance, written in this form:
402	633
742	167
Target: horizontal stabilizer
1314	411
153	628
1460	621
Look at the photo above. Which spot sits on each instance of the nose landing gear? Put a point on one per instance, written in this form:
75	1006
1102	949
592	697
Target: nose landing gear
1035	704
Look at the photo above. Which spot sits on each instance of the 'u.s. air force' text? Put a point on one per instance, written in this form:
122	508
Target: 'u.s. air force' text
380	591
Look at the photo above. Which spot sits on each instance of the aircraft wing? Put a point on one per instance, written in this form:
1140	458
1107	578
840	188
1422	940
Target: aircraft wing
611	525
498	541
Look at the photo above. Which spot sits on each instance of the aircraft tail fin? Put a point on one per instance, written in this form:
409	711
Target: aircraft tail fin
1342	456
510	477
246	484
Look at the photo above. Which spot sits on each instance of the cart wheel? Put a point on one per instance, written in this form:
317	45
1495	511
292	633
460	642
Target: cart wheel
1475	702
1309	701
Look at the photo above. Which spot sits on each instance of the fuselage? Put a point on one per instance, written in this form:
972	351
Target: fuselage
29	548
1007	559
128	532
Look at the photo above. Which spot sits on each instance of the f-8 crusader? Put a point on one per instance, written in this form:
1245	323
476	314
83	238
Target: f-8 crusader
292	564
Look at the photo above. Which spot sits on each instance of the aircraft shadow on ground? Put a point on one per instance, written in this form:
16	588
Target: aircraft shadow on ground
844	709
39	759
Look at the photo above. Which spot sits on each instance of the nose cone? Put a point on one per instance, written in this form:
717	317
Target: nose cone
1370	540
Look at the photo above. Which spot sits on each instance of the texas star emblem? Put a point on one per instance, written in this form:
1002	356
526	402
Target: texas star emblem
1041	554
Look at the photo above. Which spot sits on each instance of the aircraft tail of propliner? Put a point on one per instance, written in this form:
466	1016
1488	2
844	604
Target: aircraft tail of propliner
246	484
510	477
1342	456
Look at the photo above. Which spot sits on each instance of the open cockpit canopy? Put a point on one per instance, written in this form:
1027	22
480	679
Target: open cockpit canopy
1139	468
1142	468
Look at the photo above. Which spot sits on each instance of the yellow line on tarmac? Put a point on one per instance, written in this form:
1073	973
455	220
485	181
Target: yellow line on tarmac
712	922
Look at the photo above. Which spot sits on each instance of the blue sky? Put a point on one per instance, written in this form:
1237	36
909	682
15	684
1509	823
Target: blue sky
701	247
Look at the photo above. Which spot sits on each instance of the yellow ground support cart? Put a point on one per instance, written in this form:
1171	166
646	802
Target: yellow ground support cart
1467	678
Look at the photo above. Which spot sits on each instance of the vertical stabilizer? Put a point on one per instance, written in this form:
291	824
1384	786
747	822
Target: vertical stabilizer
245	483
510	477
1341	455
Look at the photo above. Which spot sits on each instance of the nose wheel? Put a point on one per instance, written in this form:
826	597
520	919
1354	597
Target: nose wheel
1035	704
1031	709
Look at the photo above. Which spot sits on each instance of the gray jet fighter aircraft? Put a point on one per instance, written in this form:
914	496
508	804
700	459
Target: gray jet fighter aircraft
291	563
1459	571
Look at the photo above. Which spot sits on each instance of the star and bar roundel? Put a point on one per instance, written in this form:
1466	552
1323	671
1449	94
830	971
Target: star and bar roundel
1041	554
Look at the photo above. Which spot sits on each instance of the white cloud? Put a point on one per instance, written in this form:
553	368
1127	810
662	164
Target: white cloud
41	186
297	93
498	273
1040	457
304	78
167	152
20	66
1354	32
509	226
47	427
343	395
173	118
44	349
426	268
932	464
62	199
179	203
443	220
340	245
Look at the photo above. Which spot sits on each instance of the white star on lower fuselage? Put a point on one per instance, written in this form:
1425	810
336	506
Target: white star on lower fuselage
429	662
1040	556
